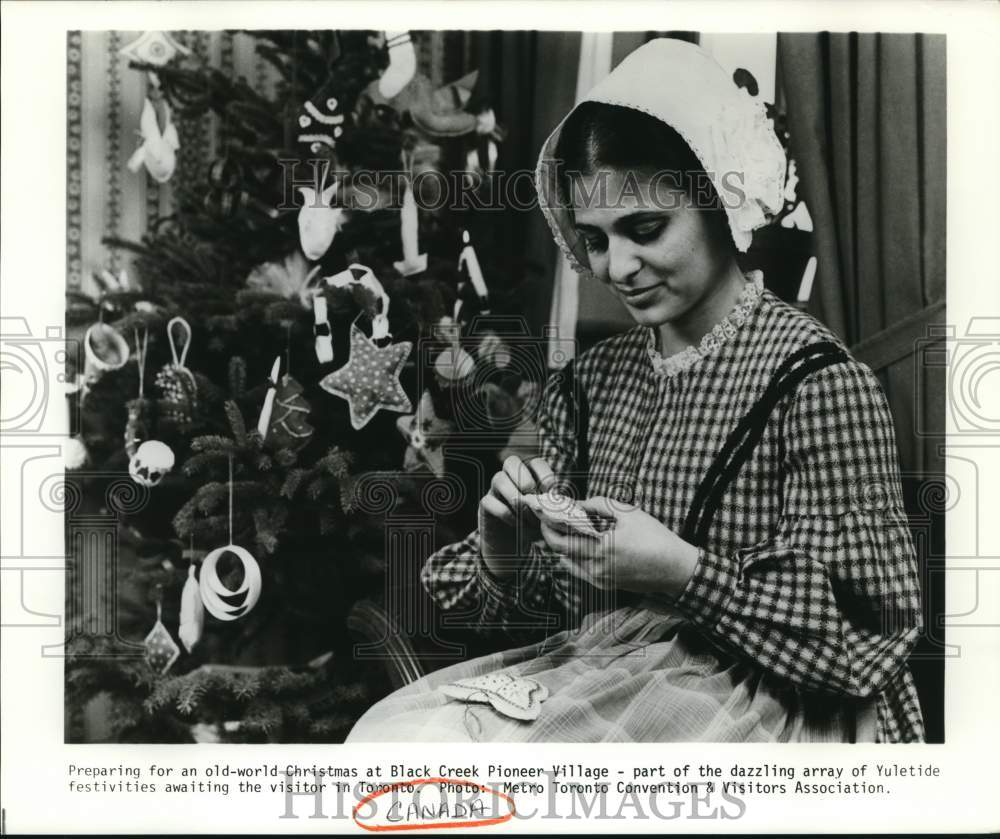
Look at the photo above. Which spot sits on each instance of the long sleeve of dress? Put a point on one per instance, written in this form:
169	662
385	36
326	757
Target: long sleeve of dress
831	602
538	598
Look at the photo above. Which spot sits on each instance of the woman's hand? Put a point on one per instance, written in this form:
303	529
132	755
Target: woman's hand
507	527
639	553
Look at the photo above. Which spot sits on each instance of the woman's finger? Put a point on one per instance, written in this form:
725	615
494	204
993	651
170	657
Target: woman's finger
542	472
495	508
518	472
609	508
503	489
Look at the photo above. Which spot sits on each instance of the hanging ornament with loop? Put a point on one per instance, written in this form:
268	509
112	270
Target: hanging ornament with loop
222	602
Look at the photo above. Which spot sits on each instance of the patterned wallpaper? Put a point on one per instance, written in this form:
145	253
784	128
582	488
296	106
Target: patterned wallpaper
104	99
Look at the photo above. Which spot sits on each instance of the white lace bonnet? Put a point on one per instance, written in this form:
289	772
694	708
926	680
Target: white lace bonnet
726	128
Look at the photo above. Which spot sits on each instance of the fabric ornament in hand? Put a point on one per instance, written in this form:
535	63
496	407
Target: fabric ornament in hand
318	221
179	401
561	512
192	618
161	649
402	63
370	379
425	433
513	696
158	149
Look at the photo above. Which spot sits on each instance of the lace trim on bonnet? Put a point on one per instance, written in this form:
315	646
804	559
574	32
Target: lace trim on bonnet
727	129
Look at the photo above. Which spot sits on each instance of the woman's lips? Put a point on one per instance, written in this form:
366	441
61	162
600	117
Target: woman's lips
639	295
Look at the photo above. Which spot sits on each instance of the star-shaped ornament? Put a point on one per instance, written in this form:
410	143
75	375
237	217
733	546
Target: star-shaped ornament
426	434
370	379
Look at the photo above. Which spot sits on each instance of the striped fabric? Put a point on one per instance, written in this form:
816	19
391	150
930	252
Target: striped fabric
808	574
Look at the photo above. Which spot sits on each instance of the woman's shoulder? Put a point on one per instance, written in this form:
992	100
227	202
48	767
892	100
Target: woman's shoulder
786	329
610	353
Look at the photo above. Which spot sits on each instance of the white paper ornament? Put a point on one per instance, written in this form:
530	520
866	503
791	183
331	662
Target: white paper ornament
192	620
318	221
264	420
158	150
104	349
154	47
213	590
402	63
513	696
151	462
413	262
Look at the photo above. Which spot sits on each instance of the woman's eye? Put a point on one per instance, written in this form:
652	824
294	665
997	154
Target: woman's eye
593	244
647	232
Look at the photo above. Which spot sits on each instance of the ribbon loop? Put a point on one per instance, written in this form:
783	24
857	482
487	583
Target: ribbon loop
185	333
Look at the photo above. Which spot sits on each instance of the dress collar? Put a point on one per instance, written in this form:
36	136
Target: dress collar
723	331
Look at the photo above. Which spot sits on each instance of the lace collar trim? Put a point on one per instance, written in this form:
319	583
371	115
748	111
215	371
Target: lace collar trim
723	331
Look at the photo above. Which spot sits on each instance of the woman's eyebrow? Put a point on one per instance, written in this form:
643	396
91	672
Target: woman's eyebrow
624	222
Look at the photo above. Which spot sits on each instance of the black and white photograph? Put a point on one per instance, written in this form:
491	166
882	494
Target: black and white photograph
443	391
469	386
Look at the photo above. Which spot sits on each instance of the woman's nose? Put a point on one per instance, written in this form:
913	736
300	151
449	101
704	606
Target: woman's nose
623	259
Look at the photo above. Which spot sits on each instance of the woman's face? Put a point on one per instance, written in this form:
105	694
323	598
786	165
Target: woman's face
648	243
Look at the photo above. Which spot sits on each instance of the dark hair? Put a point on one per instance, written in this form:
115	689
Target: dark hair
597	135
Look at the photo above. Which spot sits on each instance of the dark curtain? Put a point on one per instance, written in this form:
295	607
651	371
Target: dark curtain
867	125
529	78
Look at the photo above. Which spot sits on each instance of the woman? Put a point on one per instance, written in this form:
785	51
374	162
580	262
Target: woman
754	578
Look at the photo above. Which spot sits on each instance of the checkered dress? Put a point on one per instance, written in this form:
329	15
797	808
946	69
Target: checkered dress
808	574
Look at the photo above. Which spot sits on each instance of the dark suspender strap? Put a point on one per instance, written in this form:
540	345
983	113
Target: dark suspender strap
578	412
742	441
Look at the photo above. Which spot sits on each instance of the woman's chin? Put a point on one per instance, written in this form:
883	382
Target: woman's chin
654	315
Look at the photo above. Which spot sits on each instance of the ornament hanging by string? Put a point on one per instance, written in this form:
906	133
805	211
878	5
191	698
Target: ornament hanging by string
192	617
153	460
318	220
425	434
376	300
452	365
402	63
74	450
139	424
321	330
161	649
177	382
413	262
159	140
264	420
370	379
322	123
288	426
493	350
222	602
149	460
468	261
104	350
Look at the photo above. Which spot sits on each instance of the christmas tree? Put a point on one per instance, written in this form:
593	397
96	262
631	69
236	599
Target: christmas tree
306	341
